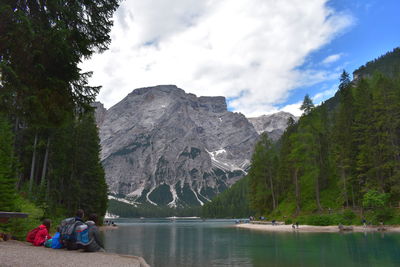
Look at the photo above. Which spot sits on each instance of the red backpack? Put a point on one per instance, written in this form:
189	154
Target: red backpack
32	234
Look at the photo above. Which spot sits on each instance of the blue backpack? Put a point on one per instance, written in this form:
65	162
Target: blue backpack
68	226
82	234
55	243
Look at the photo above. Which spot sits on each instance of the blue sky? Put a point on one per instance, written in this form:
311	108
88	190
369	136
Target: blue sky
374	32
262	55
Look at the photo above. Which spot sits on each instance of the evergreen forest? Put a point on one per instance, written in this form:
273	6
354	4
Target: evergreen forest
49	144
339	163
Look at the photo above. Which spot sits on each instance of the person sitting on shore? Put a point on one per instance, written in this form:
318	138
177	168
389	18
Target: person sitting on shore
70	242
95	242
40	234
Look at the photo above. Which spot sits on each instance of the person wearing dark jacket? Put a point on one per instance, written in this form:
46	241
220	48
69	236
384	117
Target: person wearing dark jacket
71	244
95	242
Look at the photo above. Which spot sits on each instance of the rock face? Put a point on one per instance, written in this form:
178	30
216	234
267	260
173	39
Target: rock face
274	125
165	147
100	113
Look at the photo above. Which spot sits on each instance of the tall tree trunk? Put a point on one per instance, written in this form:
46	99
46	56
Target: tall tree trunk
33	164
317	193
317	180
352	196
344	179
317	198
272	190
14	153
297	189
44	169
47	191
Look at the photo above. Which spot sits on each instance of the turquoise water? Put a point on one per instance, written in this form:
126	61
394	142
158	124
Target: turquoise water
218	243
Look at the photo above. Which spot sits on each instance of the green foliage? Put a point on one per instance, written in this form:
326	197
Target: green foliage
374	199
232	203
161	194
19	227
323	220
307	105
76	176
42	45
7	178
389	64
262	175
349	215
288	221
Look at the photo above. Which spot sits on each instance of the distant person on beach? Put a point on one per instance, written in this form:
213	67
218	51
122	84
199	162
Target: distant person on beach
95	242
364	222
297	225
40	234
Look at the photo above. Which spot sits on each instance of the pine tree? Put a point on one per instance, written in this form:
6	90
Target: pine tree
7	179
343	136
307	104
261	177
89	172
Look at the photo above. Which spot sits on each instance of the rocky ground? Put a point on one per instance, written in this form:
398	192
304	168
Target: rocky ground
15	253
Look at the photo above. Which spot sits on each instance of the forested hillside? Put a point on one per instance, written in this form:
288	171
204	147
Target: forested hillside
389	64
340	161
230	203
49	156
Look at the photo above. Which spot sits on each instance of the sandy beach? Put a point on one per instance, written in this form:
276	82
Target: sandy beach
16	253
311	228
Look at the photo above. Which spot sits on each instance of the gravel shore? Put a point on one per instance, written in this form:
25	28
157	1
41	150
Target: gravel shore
15	253
310	228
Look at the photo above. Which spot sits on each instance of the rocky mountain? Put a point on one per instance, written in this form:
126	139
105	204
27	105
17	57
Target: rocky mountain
163	146
274	125
100	113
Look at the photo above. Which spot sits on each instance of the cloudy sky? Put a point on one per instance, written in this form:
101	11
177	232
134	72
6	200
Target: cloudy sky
262	55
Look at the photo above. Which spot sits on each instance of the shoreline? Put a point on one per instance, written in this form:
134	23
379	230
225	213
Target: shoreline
315	229
18	253
107	227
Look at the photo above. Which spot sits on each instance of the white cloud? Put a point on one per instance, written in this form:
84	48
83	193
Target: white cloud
293	109
249	51
321	96
332	58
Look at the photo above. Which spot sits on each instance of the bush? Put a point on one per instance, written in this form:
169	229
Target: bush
383	215
321	220
288	221
374	199
347	217
19	227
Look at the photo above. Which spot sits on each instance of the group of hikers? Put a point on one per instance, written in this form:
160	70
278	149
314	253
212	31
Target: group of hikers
73	234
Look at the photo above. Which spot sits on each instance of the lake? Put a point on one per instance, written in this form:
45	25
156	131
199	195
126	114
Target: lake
163	242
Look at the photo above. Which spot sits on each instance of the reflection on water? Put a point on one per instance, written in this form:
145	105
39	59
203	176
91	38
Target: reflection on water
215	243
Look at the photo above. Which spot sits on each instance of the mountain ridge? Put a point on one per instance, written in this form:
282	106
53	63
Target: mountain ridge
165	147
